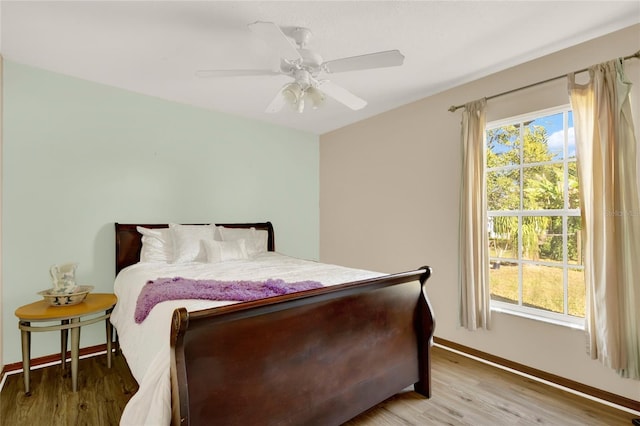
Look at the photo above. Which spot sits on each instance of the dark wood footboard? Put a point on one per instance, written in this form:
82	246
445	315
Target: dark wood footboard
316	357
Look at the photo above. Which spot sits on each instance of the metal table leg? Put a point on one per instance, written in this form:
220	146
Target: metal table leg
109	338
64	336
75	351
26	356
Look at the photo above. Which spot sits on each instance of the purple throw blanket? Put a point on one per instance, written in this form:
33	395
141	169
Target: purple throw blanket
163	289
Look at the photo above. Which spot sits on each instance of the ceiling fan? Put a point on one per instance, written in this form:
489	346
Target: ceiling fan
306	67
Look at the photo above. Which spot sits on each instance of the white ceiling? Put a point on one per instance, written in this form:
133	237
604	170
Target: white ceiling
155	47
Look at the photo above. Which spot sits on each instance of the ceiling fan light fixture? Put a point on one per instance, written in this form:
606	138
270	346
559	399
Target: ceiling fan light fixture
292	93
298	97
314	96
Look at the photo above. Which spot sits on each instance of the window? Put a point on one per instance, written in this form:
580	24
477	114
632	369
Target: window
535	249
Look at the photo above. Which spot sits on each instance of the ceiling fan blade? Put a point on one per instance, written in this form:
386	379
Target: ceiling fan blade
234	73
276	103
389	58
276	39
342	95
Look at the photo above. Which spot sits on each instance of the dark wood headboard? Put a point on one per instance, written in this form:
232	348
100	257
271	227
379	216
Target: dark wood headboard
129	240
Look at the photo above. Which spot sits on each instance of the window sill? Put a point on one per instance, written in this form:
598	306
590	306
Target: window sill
505	310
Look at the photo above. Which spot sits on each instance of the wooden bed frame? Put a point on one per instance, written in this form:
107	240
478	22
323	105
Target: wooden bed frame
318	357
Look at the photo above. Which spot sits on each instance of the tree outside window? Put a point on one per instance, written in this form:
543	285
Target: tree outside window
534	218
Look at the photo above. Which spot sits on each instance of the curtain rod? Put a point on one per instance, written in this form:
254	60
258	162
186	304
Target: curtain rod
454	108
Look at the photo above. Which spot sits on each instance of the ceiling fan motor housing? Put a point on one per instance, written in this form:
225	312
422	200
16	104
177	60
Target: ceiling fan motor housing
310	60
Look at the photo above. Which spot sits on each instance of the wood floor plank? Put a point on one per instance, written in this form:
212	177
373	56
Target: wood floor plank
465	393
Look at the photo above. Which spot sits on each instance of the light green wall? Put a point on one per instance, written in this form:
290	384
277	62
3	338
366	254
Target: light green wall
79	156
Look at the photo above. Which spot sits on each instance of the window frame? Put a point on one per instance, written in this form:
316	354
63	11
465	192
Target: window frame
519	309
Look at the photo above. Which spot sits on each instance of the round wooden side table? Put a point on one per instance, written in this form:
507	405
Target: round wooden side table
70	319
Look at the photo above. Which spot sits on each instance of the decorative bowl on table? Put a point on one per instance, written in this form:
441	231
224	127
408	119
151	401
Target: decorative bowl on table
54	298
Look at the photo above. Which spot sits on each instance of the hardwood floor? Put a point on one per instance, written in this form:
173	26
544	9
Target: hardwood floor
465	392
101	396
468	392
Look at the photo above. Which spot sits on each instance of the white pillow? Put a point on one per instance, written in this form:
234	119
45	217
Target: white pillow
256	241
262	240
221	251
157	245
186	242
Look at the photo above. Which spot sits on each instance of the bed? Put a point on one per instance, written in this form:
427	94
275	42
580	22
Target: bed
320	356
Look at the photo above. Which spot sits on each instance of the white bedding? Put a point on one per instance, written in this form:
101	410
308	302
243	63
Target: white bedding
146	345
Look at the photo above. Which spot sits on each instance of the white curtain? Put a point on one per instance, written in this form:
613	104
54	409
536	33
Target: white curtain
606	156
473	274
